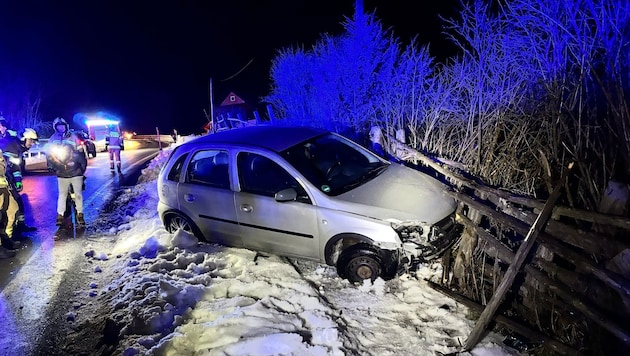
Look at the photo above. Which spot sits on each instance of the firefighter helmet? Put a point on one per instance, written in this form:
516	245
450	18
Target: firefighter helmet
29	133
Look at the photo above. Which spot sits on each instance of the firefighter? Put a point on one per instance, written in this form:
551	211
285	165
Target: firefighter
64	157
13	149
114	145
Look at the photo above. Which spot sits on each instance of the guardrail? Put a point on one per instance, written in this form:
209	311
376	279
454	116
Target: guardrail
35	157
161	138
37	148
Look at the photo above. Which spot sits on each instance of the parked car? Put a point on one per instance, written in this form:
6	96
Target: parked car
308	193
88	145
34	159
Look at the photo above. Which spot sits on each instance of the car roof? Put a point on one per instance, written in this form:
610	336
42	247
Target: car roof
271	137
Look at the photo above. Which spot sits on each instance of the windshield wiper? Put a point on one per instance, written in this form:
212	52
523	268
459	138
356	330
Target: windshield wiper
369	175
376	171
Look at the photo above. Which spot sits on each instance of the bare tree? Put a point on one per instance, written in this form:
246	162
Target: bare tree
19	102
577	51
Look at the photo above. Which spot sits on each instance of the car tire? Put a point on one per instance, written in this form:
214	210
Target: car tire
174	221
359	262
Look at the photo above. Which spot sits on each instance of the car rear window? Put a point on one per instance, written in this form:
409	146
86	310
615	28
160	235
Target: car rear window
176	170
210	167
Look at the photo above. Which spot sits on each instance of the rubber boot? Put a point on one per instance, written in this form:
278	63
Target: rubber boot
80	219
10	244
22	227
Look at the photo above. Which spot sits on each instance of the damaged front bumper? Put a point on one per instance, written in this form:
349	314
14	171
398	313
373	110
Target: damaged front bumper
422	242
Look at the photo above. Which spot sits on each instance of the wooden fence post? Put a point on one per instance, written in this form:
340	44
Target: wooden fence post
515	266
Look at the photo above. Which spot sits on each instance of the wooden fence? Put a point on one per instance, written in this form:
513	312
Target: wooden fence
571	296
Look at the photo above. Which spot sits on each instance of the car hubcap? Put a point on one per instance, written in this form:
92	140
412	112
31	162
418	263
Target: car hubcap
179	223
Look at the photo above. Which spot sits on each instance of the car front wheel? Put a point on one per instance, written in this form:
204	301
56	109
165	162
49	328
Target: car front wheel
358	263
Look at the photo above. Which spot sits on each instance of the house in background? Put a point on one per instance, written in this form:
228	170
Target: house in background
232	112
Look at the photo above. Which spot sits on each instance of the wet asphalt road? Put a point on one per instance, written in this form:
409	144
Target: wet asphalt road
45	273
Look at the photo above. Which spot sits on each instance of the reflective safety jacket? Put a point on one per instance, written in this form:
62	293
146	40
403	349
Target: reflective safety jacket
3	165
114	140
12	150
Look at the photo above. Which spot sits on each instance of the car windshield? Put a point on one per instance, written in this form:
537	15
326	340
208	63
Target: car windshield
334	164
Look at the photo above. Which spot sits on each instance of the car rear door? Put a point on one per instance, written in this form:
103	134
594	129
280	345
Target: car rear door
286	228
206	196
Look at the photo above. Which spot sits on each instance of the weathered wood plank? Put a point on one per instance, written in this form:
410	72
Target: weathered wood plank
515	266
613	280
497	250
592	242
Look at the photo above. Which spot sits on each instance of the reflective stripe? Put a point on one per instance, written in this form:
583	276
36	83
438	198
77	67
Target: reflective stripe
114	141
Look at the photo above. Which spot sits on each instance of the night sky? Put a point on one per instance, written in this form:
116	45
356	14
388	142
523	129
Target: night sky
150	62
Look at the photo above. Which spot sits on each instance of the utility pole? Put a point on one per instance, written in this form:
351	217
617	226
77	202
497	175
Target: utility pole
211	105
157	130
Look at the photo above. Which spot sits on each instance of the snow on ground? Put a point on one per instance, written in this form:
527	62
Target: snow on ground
167	294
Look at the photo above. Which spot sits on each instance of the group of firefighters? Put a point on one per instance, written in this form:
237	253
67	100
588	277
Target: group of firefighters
65	157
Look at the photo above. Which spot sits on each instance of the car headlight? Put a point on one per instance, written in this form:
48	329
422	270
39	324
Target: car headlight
410	231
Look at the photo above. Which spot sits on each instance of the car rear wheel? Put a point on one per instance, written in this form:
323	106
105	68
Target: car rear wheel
176	221
358	263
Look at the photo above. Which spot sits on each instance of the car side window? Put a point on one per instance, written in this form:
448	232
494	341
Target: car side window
176	170
211	168
260	175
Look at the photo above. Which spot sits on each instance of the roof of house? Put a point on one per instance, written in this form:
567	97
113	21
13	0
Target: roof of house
232	99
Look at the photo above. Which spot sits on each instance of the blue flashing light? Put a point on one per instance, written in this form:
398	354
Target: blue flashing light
100	118
100	121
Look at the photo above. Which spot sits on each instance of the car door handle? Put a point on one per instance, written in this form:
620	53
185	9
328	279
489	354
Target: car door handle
189	197
247	208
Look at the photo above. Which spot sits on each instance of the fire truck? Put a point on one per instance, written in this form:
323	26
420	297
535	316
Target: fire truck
98	129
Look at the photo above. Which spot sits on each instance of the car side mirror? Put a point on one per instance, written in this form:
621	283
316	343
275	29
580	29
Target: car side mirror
288	194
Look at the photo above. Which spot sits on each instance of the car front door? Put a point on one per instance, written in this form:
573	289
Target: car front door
206	196
286	228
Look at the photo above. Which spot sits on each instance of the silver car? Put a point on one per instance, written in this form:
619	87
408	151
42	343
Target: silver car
308	193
